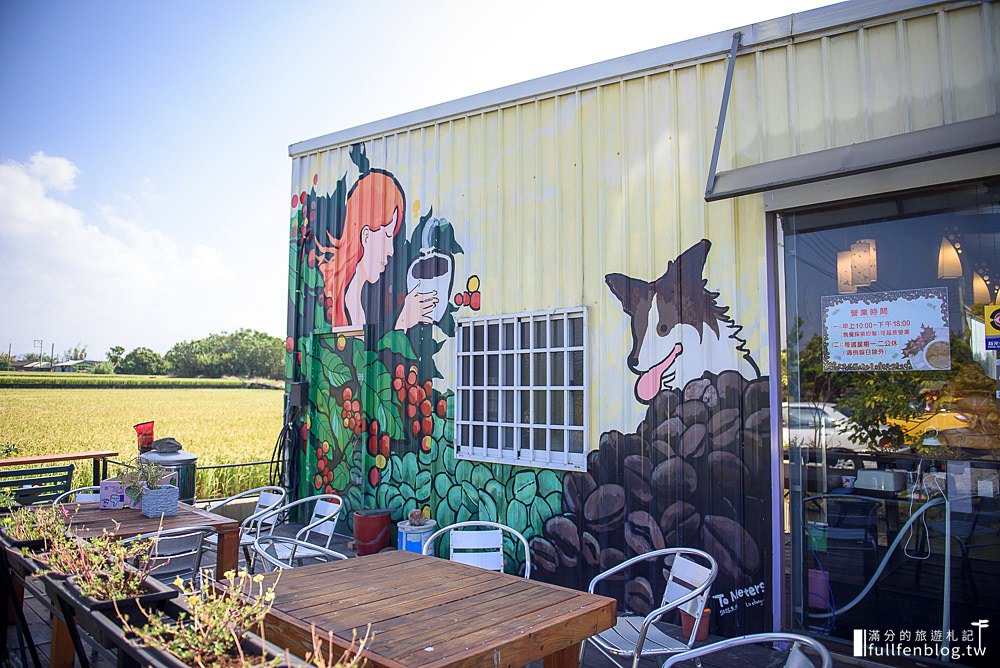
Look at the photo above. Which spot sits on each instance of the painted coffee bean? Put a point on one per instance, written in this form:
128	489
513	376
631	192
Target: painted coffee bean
733	548
696	388
543	555
642	533
609	558
663	406
669	431
727	470
577	486
730	386
756	396
632	445
604	509
564	535
590	549
694	441
693	412
661	450
723	428
674	479
636	478
639	596
680	523
759	421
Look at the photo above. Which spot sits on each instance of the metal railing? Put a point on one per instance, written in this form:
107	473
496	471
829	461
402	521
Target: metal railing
209	467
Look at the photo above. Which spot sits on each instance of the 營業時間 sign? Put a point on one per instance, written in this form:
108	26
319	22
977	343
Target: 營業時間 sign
906	329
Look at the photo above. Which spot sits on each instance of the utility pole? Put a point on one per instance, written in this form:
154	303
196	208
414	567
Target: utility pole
52	358
41	352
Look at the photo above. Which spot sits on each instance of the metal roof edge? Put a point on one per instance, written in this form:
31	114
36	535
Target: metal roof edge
785	27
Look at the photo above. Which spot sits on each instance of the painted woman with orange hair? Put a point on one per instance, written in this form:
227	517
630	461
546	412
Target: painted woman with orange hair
375	210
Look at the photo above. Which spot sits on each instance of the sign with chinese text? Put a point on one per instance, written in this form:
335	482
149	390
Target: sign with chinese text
992	319
906	329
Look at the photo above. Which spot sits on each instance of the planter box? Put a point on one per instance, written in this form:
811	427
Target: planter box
156	591
252	645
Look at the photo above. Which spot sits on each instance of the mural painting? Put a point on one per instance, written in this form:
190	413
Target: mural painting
694	473
376	304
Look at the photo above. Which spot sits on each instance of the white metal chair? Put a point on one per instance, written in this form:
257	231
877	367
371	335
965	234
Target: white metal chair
482	546
177	552
322	522
80	495
260	521
269	547
796	657
633	638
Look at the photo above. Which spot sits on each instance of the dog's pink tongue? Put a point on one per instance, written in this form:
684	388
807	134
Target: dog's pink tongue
649	383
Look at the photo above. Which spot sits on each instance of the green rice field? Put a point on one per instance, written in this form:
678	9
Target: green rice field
221	426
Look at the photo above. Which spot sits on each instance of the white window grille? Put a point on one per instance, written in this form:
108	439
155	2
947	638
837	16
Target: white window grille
522	389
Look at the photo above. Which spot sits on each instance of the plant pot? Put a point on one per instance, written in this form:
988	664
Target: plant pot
687	623
161	501
33	545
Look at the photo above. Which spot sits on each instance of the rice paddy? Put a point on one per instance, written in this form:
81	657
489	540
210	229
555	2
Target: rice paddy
221	426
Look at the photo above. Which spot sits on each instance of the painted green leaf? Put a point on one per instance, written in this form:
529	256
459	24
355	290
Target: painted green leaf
407	492
470	496
395	504
441	485
463	471
481	474
495	489
455	497
538	513
448	457
487	507
397	342
382	496
408	505
548	482
428	458
464	514
525	487
408	473
396	465
423	486
445	515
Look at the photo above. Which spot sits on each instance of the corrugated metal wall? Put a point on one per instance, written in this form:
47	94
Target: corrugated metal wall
551	194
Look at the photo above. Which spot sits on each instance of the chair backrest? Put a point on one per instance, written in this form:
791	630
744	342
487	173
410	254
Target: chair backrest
479	544
278	552
269	499
37	485
324	518
176	552
686	575
79	495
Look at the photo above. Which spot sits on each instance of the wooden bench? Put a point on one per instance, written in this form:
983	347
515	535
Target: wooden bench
99	458
37	485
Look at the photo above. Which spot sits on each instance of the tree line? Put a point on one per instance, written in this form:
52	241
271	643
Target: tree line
245	353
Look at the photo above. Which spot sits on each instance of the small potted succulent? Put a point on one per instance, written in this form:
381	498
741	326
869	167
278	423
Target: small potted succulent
147	484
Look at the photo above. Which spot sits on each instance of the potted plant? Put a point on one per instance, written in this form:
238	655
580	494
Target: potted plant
147	484
33	528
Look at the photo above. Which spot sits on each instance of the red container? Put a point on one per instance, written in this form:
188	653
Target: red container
371	531
144	435
687	622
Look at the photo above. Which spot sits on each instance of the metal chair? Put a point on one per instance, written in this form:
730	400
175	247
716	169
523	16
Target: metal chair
322	522
269	497
482	548
80	495
268	548
177	552
796	657
633	638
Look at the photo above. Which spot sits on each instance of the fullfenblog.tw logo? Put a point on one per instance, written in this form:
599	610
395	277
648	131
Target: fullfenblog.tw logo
933	644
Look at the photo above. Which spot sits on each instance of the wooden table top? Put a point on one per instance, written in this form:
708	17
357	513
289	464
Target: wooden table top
429	612
89	520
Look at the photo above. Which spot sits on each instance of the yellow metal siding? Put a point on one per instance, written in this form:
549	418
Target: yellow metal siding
549	195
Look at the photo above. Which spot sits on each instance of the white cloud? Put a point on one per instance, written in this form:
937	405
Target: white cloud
114	281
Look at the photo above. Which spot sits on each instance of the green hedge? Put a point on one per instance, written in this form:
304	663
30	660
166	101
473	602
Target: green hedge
70	380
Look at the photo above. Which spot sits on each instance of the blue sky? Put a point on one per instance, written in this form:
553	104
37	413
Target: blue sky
144	170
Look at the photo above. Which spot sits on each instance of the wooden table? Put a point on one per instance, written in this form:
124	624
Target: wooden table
99	457
89	520
430	612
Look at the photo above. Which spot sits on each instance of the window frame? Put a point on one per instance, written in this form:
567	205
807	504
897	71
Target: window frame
505	421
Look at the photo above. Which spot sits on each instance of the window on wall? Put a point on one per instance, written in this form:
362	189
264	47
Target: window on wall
522	389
